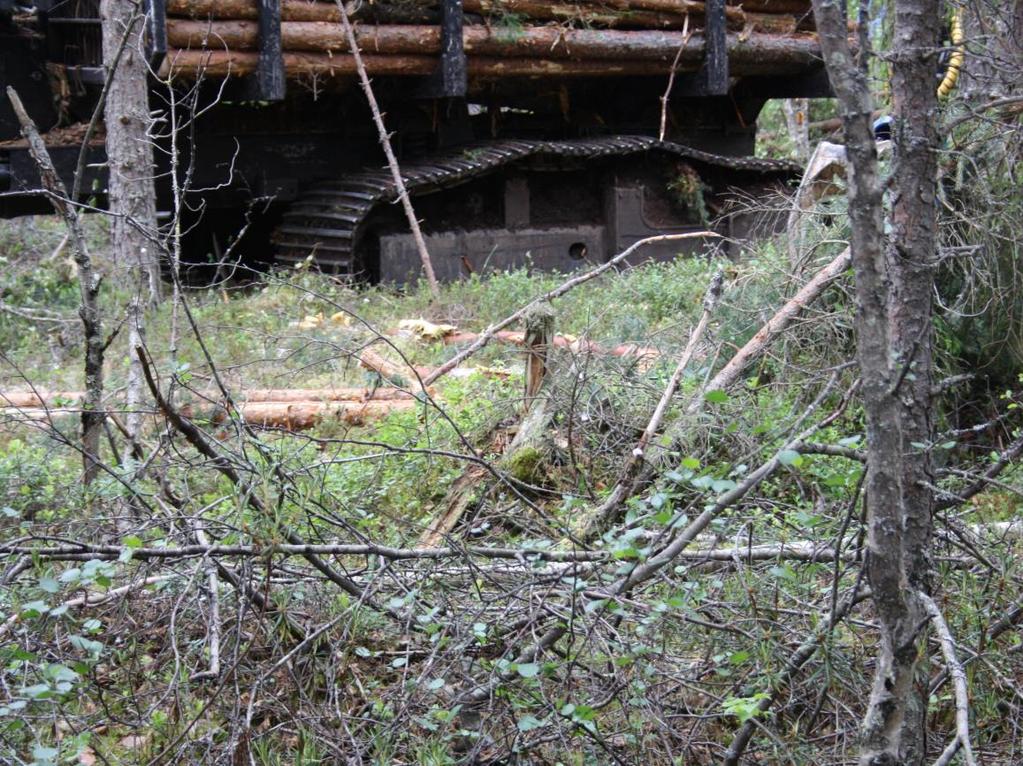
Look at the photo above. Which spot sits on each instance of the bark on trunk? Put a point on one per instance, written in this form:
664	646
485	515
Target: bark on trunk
303	10
893	290
129	151
912	258
88	282
635	14
131	193
529	453
796	113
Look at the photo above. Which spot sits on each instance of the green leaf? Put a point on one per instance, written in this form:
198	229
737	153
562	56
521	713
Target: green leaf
691	463
790	457
35	608
723	485
41	753
48	584
37	691
86	644
716	397
92	626
131	541
528	723
528	669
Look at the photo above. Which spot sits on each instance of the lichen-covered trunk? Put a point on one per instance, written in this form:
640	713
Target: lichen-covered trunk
912	258
893	335
129	149
131	191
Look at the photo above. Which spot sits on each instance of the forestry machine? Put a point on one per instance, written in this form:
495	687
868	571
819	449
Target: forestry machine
542	133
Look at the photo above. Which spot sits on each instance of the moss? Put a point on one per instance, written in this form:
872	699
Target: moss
525	464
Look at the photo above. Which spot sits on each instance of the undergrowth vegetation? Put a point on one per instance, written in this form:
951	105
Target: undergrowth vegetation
128	636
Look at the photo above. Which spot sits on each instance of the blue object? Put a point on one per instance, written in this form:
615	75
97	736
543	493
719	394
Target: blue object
883	128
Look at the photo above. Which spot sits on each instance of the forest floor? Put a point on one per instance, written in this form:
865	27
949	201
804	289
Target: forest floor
390	670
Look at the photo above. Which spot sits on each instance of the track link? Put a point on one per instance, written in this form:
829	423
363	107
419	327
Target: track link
326	221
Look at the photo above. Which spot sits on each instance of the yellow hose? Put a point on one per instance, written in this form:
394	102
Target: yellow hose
955	61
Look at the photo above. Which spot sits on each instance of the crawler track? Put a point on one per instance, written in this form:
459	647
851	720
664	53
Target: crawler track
327	221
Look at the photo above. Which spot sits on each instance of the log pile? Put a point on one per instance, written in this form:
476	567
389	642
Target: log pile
502	38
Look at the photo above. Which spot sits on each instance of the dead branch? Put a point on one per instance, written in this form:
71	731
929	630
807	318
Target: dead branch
88	282
196	438
955	670
627	484
774	327
385	143
487	335
799	658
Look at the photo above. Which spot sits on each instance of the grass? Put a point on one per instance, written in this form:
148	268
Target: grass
695	649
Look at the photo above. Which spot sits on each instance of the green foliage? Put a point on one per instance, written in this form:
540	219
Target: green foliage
36	481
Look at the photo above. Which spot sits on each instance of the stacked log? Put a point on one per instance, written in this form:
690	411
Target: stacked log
502	38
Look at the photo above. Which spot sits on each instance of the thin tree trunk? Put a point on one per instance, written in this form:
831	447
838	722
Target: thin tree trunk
129	150
912	258
797	111
893	327
88	283
385	144
131	193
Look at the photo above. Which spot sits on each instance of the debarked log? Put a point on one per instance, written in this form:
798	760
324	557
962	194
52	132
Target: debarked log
300	416
541	42
43	399
756	54
289	416
401	12
634	14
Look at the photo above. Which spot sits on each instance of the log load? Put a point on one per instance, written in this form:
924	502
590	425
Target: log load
568	38
634	14
652	55
296	11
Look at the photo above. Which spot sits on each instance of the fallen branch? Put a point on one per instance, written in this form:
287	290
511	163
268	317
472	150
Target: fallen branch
488	335
91	599
670	552
199	441
962	693
799	658
290	415
797	550
43	399
301	416
574	345
775	326
627	484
